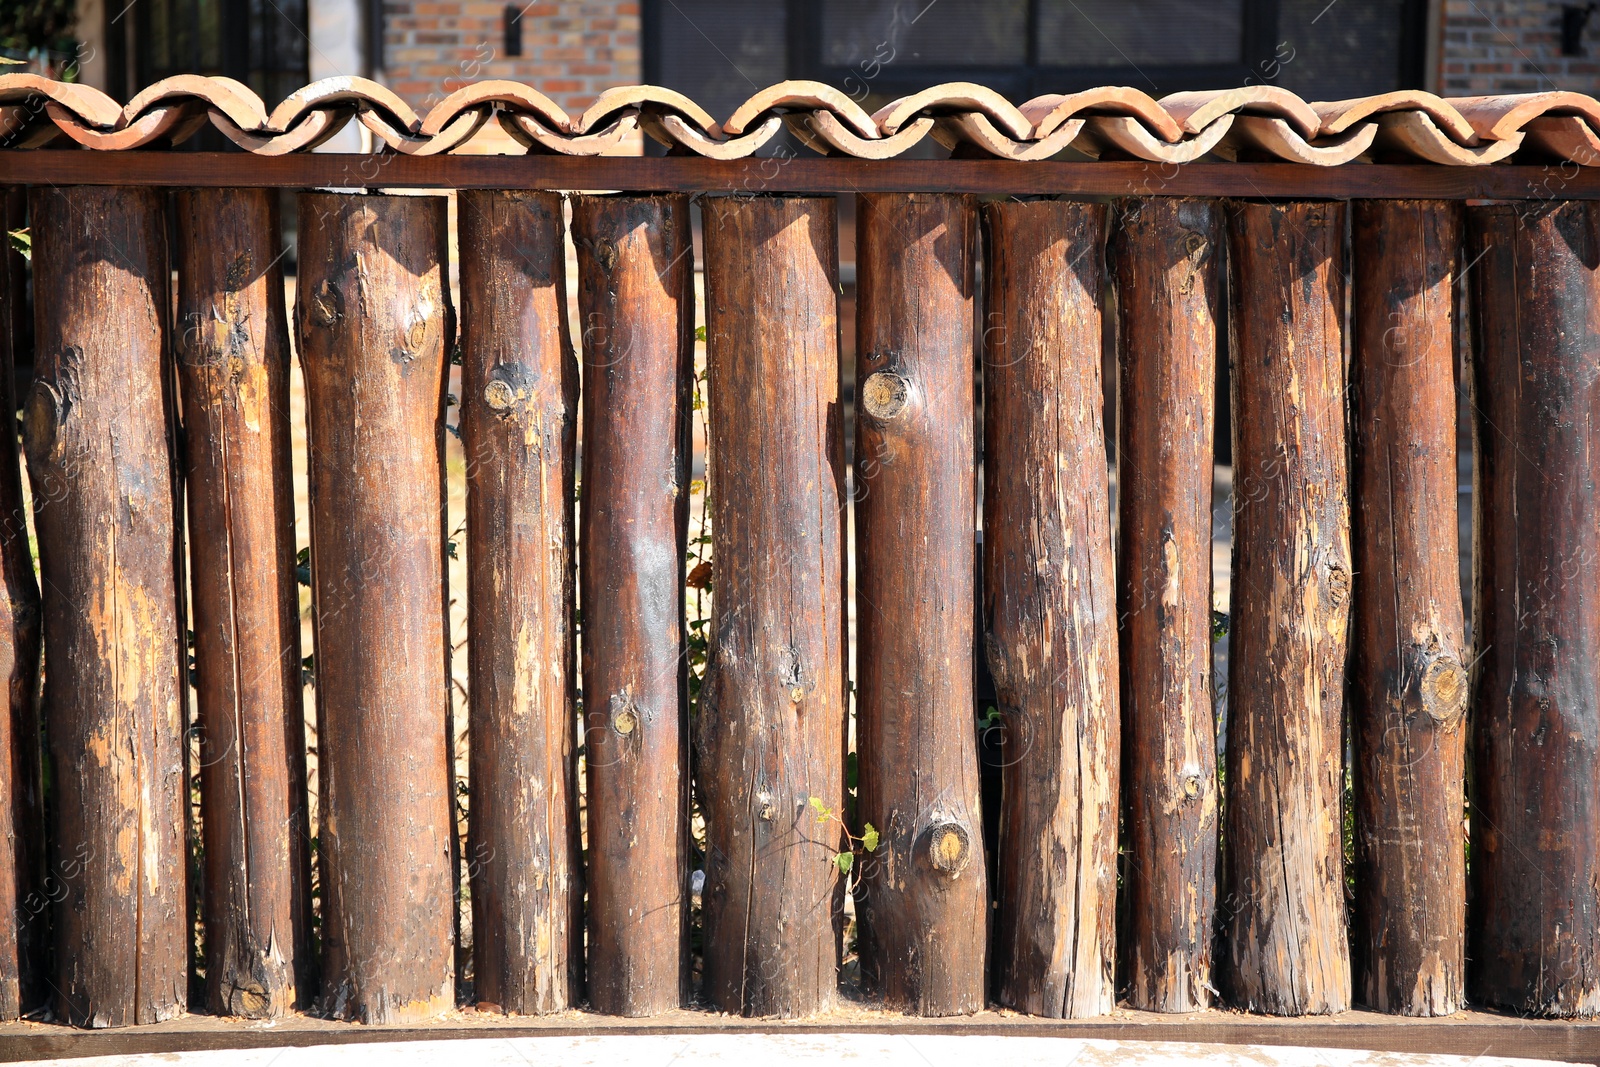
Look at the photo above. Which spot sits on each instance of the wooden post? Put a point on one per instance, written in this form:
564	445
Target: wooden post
519	387
24	911
96	431
922	895
233	357
1283	912
375	323
1168	257
636	301
772	713
1408	688
1048	596
1535	922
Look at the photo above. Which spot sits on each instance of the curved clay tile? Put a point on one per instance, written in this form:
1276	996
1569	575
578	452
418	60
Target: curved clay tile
1277	138
672	130
823	132
365	94
1565	137
502	95
953	97
1194	111
458	131
531	134
159	125
312	130
233	99
1500	118
809	96
974	128
1050	111
1339	115
1101	133
647	100
86	104
1415	134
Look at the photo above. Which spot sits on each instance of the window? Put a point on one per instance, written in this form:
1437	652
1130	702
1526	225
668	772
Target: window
719	51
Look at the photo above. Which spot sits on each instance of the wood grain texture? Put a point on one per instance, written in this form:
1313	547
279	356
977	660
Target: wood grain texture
519	411
922	895
233	361
1407	686
24	900
1283	909
1049	599
374	322
803	174
636	303
1534	927
96	430
772	712
1167	259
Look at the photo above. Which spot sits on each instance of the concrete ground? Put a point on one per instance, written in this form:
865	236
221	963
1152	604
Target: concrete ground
738	1050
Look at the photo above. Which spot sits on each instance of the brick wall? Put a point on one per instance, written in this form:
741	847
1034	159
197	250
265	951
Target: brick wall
571	51
1512	46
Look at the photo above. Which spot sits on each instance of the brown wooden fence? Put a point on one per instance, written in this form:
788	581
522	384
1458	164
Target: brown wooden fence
1421	875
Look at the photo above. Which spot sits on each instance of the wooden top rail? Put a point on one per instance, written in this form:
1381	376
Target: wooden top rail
1556	181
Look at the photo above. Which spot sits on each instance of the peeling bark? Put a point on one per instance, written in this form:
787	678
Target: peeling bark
1535	918
24	901
96	431
922	895
636	299
375	323
1048	601
772	713
1168	262
519	408
1283	912
1408	688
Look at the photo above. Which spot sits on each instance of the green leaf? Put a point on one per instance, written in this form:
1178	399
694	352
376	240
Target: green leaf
699	333
869	839
822	810
22	242
845	860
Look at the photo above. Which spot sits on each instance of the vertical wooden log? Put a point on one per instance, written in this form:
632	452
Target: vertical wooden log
636	300
374	321
1283	914
519	386
233	358
1168	263
24	915
922	896
98	458
1535	922
1408	689
772	713
1050	634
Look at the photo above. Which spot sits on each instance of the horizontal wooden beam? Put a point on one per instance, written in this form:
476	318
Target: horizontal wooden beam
1468	1033
800	175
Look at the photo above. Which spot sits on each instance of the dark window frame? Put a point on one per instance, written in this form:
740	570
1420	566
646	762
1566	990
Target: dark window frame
1259	33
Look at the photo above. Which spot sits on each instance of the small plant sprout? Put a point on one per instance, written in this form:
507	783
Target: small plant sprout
867	842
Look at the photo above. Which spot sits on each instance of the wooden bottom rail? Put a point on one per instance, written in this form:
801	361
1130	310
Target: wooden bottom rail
1470	1033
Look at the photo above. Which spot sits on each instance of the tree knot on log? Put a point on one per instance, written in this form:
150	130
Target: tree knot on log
1442	687
948	847
327	305
885	394
46	410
